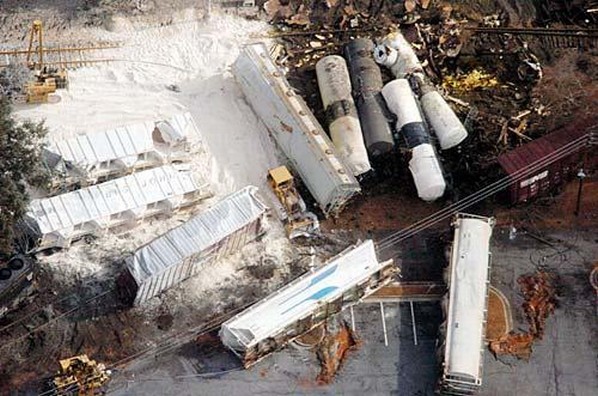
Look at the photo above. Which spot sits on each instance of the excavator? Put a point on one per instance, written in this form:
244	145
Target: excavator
79	376
298	221
46	79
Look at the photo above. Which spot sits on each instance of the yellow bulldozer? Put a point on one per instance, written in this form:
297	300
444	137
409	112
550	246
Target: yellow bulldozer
298	221
79	376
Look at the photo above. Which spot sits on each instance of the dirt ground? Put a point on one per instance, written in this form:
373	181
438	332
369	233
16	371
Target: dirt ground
499	316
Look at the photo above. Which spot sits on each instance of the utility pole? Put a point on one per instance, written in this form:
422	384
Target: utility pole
580	176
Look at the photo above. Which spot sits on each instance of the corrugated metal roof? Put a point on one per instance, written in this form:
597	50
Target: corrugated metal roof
301	297
123	143
470	268
134	192
200	232
533	151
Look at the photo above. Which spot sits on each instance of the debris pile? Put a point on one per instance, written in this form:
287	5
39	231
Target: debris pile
338	340
489	79
540	300
465	82
539	292
518	345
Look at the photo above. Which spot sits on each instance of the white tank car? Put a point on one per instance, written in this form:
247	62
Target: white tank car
426	172
396	53
343	123
424	165
469	269
443	120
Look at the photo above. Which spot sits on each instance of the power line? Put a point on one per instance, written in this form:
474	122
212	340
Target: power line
485	192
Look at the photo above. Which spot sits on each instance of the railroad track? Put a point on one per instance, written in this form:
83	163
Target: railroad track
556	38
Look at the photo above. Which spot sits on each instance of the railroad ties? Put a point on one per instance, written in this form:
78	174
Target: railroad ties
555	38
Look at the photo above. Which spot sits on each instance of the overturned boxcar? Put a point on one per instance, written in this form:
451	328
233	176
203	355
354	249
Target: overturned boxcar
120	203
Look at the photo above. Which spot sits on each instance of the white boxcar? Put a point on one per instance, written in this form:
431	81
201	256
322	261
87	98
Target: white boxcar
91	157
183	251
58	220
305	303
469	274
295	129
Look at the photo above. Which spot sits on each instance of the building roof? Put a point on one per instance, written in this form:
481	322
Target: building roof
194	236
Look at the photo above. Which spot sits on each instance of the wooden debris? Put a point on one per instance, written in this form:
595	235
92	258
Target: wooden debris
457	101
301	18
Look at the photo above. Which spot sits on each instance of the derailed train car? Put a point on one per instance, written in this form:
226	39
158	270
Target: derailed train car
366	82
57	221
94	157
295	129
567	147
424	164
184	251
462	334
305	303
343	123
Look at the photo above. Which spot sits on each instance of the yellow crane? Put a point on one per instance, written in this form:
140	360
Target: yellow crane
46	79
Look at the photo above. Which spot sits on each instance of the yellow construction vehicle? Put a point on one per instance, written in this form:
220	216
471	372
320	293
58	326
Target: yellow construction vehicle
79	376
46	79
39	91
298	221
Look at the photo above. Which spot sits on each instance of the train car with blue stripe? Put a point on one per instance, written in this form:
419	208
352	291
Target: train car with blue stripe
306	302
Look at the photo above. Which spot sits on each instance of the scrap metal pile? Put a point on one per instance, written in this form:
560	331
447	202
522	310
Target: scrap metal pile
539	292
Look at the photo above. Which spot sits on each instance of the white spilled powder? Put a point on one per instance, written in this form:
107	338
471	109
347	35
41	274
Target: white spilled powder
196	56
224	282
